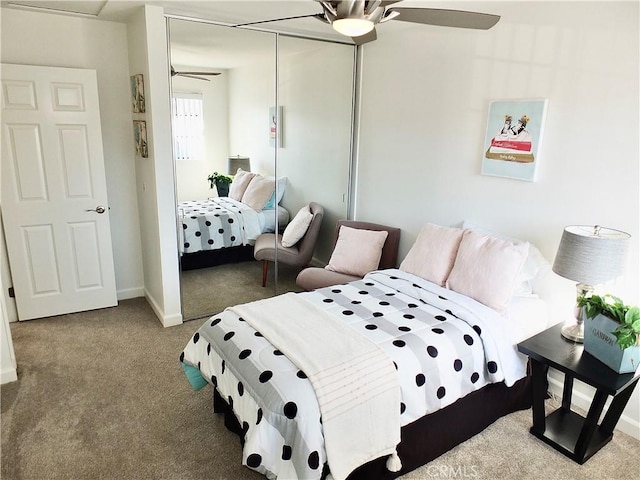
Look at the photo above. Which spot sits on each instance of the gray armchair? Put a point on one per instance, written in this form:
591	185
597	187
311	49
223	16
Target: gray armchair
316	277
298	255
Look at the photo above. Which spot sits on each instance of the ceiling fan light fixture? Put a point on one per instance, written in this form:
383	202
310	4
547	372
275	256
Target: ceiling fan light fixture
352	27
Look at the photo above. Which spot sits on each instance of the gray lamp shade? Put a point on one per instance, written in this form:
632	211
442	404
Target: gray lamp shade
591	255
234	163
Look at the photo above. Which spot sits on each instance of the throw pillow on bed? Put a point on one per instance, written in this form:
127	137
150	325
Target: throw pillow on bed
487	268
240	183
297	227
433	253
258	192
357	251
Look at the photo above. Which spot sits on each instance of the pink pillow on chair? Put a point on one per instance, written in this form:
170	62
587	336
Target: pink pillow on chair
357	251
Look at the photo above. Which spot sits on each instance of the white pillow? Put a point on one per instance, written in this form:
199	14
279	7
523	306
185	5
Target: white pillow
240	183
357	251
433	253
258	192
297	227
486	269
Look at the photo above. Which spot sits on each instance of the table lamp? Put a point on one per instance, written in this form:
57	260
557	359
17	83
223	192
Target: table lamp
589	255
234	163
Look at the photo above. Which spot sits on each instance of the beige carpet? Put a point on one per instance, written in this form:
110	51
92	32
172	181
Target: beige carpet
101	395
207	291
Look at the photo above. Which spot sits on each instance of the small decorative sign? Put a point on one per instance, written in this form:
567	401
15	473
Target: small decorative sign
140	137
137	93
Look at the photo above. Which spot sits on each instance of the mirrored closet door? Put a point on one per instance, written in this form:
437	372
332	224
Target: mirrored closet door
225	120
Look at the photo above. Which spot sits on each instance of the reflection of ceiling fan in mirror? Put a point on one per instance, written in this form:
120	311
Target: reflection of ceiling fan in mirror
357	18
196	75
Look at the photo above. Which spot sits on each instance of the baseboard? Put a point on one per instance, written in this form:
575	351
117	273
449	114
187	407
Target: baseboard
128	293
582	400
166	320
8	374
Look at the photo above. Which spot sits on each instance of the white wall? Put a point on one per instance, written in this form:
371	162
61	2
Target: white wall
155	174
81	43
191	175
425	96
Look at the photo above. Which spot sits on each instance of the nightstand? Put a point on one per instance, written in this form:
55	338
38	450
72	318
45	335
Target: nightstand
569	432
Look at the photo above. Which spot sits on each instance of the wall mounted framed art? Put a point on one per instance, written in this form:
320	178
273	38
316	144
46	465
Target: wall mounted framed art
140	137
513	138
137	93
275	129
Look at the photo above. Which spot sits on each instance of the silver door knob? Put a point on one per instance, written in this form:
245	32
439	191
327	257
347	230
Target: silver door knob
98	209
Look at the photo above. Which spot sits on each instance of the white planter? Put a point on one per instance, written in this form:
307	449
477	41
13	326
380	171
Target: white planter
600	342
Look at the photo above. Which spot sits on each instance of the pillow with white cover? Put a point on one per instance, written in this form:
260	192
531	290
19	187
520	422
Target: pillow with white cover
357	251
486	269
258	192
240	183
280	188
297	227
535	266
433	253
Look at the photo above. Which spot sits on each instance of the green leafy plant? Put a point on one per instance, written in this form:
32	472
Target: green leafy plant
218	179
628	317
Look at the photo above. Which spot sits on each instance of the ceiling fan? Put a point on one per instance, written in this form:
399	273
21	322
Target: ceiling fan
357	18
196	75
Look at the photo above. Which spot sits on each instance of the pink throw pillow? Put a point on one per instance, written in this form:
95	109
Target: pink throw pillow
357	251
486	269
433	253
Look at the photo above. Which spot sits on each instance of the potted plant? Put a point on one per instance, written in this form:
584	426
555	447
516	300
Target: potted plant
612	331
221	183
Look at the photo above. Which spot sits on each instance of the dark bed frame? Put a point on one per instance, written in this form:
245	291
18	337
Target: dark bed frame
213	258
432	435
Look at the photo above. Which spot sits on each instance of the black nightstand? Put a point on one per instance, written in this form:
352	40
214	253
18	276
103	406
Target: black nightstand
567	431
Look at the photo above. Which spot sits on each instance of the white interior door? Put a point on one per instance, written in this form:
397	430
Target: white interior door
54	196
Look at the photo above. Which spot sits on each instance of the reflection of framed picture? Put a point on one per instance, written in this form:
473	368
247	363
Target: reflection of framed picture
137	93
140	137
513	138
274	128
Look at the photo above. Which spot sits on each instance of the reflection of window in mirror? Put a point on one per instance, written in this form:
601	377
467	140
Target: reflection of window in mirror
188	126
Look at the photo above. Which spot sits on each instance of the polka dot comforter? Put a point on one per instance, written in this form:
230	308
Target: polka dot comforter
216	223
444	346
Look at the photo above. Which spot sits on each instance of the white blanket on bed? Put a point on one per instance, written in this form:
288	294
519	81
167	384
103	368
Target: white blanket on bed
355	381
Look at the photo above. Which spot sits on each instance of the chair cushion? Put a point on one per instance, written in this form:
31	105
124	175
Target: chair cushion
316	277
297	227
357	251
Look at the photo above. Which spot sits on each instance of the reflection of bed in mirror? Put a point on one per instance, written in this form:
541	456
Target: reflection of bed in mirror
223	230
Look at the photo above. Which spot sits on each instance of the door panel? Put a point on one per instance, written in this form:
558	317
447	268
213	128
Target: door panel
53	180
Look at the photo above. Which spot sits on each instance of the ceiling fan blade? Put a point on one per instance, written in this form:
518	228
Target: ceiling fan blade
366	38
187	75
447	18
198	73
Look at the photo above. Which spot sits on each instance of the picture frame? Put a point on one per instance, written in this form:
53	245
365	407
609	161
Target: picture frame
275	128
137	93
513	138
140	138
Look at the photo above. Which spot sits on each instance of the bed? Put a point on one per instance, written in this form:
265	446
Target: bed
222	230
454	359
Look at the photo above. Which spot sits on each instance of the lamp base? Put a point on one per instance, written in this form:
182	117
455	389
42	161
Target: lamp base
574	332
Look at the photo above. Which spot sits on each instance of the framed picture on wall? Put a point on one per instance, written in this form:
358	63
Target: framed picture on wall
275	127
513	138
140	137
137	93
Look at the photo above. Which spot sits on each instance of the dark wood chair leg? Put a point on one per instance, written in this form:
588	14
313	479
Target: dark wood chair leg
265	270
